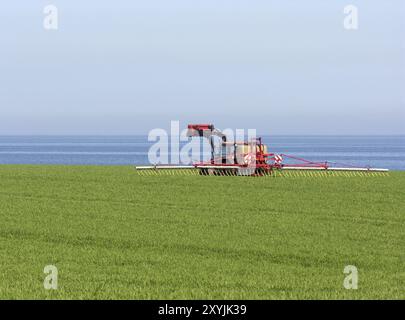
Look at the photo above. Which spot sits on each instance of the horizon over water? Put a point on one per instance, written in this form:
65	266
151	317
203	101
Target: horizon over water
382	151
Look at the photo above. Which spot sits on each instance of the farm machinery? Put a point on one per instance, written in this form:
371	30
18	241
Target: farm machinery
251	158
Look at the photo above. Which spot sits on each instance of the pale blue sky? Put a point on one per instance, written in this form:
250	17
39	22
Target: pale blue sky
127	66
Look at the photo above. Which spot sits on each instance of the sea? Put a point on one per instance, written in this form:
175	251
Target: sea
365	151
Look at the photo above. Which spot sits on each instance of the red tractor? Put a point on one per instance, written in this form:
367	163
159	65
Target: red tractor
251	158
244	158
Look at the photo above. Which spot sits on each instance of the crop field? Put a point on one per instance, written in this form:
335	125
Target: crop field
113	234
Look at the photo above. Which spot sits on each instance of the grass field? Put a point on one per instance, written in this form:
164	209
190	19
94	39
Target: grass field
114	234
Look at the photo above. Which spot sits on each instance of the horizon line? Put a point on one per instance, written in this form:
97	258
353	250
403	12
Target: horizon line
143	134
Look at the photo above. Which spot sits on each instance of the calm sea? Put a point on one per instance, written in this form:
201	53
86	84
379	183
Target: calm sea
376	151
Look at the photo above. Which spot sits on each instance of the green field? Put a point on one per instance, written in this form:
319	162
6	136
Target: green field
114	234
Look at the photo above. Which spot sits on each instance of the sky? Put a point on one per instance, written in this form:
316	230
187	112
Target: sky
129	66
